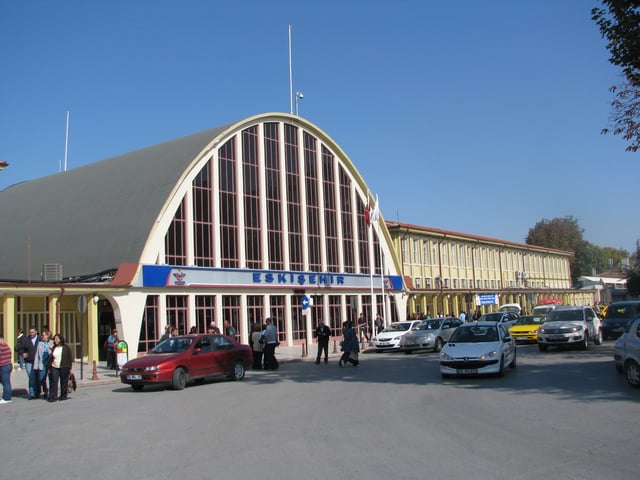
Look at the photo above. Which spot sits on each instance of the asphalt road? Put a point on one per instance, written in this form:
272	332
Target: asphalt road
562	414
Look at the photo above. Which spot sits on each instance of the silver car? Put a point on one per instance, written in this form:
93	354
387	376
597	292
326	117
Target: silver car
429	334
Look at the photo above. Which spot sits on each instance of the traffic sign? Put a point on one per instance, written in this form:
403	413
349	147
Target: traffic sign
305	302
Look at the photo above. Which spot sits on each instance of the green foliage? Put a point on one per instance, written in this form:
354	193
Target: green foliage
566	234
619	23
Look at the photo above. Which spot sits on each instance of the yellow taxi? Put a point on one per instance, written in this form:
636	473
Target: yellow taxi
525	329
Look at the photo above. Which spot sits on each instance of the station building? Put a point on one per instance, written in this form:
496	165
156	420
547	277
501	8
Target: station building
264	217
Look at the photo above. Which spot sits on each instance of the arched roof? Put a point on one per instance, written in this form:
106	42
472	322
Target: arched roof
96	217
91	218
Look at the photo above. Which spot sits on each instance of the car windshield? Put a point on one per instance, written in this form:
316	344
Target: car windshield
529	320
575	315
621	311
433	324
491	317
397	327
173	345
474	333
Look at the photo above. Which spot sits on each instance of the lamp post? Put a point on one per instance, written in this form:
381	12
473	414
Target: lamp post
299	96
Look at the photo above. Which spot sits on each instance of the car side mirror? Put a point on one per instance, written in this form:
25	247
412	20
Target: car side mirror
506	339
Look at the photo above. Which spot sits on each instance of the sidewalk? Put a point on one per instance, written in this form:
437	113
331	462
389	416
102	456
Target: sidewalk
20	384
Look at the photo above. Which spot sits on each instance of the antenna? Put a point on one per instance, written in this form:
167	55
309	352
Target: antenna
290	75
66	143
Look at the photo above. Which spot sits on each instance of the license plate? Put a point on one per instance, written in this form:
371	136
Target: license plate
467	371
134	377
556	337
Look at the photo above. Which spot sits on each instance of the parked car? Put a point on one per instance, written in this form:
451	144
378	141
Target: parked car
178	360
570	326
389	337
525	329
618	317
544	309
429	334
627	353
478	348
510	307
504	318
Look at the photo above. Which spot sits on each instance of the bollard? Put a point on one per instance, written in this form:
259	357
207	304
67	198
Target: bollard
304	354
335	346
95	371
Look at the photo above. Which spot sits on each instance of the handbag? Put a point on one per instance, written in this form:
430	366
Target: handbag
353	355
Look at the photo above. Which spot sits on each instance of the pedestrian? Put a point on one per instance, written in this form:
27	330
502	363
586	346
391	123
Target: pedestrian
40	364
27	350
174	332
229	331
112	344
6	367
193	330
362	325
350	346
60	363
213	329
256	341
270	336
477	314
463	317
379	323
167	333
17	344
323	334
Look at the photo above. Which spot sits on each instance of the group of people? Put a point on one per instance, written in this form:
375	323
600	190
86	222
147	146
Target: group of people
350	346
47	361
263	341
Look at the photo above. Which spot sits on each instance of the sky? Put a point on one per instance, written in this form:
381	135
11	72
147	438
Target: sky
481	117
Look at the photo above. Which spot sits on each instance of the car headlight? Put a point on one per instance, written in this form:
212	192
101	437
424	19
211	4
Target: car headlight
445	356
576	329
490	354
152	368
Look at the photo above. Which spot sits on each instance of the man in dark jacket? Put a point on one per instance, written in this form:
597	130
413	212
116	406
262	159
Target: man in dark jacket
27	350
323	333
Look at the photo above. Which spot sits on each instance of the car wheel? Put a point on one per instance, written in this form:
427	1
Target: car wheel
543	348
501	371
599	339
632	371
438	345
238	371
513	363
584	344
137	388
179	380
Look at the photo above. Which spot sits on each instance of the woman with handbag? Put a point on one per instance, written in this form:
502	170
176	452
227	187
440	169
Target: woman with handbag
60	363
350	345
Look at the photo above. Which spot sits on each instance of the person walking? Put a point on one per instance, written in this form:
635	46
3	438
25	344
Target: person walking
27	350
40	364
17	345
323	334
229	331
350	345
270	335
363	327
256	346
6	367
379	323
60	362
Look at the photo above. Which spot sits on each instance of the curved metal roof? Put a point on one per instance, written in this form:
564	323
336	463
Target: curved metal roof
95	217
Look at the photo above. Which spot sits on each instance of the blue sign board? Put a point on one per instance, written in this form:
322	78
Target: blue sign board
305	302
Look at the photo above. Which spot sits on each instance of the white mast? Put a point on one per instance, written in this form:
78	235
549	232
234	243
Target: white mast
290	75
66	143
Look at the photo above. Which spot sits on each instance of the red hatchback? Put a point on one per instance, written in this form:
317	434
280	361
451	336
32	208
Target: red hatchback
177	360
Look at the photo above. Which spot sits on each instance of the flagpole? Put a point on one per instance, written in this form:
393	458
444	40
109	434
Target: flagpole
290	75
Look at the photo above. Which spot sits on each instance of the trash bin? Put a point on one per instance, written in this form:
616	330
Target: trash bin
122	354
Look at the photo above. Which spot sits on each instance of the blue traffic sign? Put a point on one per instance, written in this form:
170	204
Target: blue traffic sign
305	302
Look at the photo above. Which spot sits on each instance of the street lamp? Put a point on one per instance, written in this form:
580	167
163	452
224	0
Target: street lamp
299	96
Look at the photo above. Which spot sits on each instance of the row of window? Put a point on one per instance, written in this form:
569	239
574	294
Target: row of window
486	284
273	197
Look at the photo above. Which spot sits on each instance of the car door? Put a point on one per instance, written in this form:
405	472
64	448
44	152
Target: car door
223	350
448	327
509	347
201	361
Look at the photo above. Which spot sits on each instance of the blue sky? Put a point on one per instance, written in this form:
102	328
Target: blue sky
481	117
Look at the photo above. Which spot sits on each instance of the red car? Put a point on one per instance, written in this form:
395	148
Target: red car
177	360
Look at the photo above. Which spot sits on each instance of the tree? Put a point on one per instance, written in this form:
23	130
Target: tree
619	23
563	234
633	274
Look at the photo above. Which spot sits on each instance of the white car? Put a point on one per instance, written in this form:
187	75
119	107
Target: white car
478	348
627	353
389	338
570	327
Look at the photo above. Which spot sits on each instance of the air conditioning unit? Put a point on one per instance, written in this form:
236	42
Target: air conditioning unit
52	272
